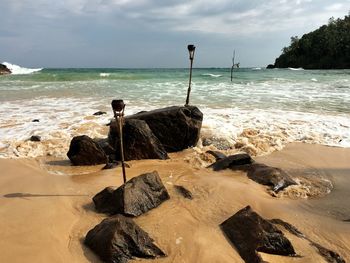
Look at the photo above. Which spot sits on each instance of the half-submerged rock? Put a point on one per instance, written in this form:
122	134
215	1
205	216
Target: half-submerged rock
274	177
177	128
137	196
236	161
85	151
139	141
250	234
4	70
118	239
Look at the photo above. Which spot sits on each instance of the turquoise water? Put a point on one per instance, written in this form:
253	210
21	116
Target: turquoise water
280	105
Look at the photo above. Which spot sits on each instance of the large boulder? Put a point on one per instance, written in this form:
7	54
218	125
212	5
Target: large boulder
135	197
274	177
85	151
4	70
138	139
118	239
250	234
176	127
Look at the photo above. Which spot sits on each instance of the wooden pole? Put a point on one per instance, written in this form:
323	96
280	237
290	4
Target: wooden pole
120	119
189	85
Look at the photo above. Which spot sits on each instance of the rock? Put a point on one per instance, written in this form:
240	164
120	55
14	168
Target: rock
236	161
106	147
36	120
135	197
35	138
291	229
98	113
270	66
250	233
104	201
218	155
110	166
274	177
85	151
118	239
4	70
329	255
183	191
177	128
219	143
139	141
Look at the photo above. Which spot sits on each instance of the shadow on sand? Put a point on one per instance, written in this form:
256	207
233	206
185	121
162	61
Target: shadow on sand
26	195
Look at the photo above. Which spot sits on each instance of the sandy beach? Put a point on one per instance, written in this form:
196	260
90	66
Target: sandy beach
46	207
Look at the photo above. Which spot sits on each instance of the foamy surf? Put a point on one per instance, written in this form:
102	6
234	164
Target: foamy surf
212	75
18	70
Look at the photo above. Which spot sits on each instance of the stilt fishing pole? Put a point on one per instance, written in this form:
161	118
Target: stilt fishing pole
118	107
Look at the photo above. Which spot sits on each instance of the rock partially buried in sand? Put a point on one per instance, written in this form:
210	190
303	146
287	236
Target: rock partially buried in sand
139	141
85	151
118	239
183	191
274	177
135	197
177	128
236	161
250	233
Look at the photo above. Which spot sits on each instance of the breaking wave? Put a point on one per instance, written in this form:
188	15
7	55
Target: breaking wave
18	70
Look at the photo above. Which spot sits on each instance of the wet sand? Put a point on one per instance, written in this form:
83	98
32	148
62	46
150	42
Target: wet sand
46	207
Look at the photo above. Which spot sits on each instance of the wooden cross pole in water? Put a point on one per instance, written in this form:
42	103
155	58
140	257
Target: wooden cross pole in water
118	107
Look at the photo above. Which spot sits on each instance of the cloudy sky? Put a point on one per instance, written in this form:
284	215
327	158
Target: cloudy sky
155	33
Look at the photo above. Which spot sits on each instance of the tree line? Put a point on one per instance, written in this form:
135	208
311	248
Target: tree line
328	47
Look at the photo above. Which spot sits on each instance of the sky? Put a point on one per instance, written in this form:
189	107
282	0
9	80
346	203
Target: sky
155	33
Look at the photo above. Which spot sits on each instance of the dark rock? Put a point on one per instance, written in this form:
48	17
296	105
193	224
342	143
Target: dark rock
329	255
36	120
118	239
270	66
218	155
85	151
183	191
105	146
139	141
98	113
177	128
250	233
135	197
110	166
274	177
104	201
346	220
236	161
35	138
4	70
291	229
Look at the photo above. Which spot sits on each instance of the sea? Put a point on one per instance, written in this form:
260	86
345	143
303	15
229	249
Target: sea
259	111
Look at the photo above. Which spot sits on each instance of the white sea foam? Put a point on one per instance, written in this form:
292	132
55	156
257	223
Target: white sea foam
212	75
104	74
256	68
17	70
296	68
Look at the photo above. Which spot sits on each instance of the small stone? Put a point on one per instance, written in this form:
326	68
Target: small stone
183	191
236	161
36	120
35	138
98	113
